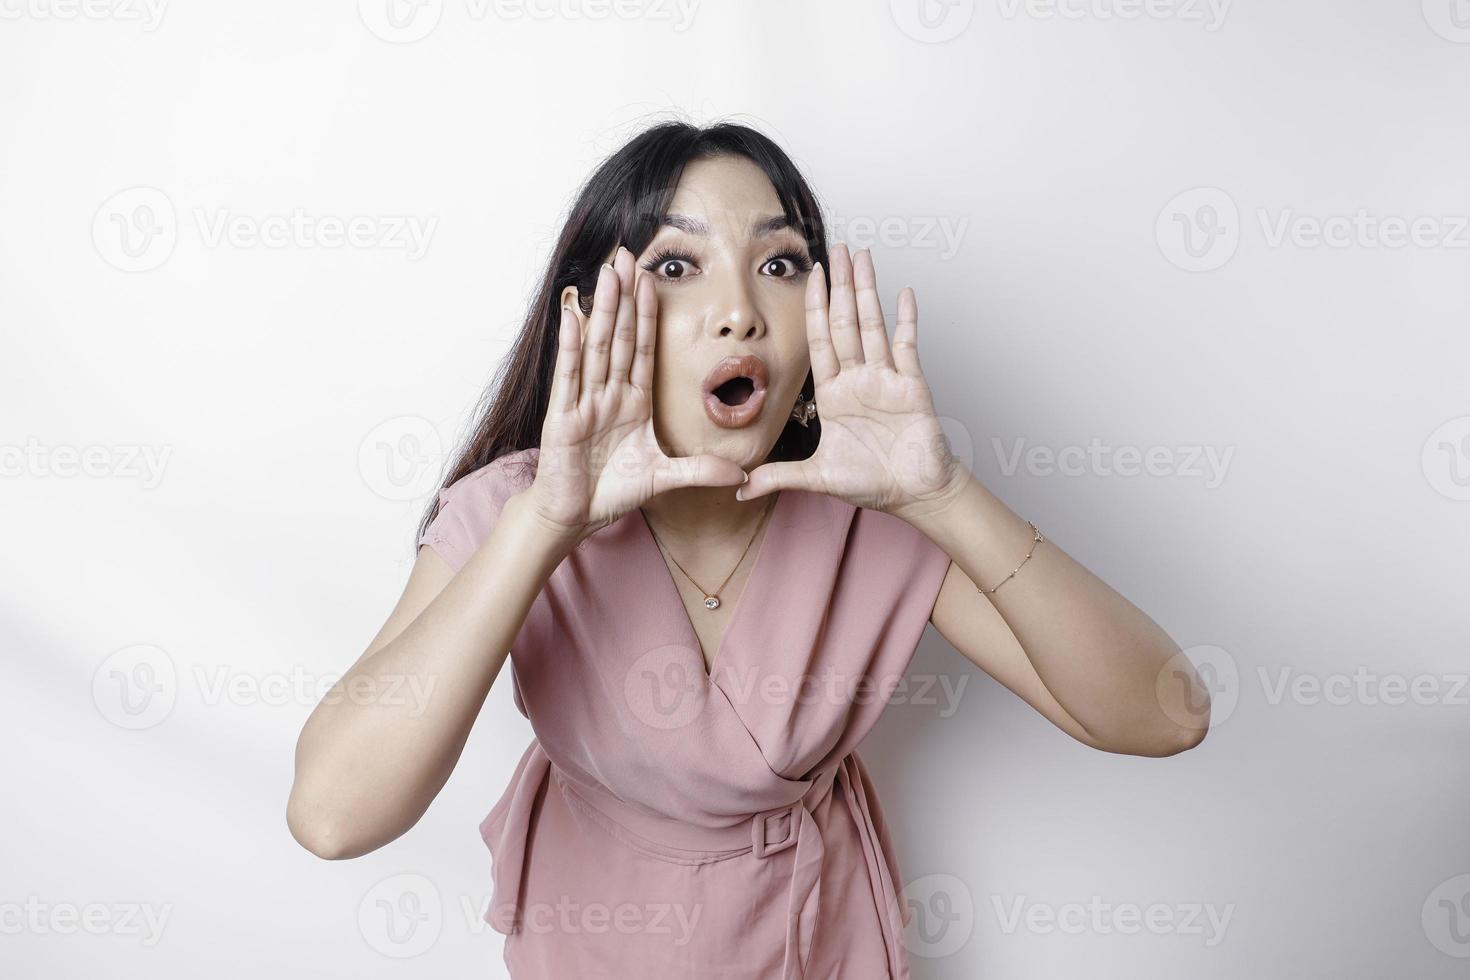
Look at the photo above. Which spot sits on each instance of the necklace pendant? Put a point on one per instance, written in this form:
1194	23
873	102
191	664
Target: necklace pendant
711	602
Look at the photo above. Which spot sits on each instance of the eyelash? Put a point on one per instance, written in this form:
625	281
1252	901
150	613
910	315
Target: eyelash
667	253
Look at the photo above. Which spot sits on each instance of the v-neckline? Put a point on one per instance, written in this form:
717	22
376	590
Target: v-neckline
752	579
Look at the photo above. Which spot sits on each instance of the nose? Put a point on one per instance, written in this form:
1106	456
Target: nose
735	315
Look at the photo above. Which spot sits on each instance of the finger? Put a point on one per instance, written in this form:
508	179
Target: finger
707	470
770	477
626	328
818	333
646	303
565	382
842	310
599	331
874	328
906	334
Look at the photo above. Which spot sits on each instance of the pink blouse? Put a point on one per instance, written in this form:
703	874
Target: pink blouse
672	822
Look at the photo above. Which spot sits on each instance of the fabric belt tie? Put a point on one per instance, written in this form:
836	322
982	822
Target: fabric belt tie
762	835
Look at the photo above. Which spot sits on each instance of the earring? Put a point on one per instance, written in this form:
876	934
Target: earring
805	410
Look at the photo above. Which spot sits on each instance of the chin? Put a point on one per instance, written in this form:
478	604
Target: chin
747	447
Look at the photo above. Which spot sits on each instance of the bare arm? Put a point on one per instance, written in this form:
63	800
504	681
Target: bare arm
382	743
1058	636
380	746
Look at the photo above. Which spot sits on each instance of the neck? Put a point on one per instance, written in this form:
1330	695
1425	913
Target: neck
699	517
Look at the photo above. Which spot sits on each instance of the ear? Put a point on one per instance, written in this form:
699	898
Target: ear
569	301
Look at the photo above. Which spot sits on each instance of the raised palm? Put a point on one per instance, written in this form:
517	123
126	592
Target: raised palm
881	446
599	457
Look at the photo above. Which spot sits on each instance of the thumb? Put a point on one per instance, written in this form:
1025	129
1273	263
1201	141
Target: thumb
770	477
707	470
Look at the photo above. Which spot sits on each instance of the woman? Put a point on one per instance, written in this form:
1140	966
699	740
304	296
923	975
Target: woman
708	570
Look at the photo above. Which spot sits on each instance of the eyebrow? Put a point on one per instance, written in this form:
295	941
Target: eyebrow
698	226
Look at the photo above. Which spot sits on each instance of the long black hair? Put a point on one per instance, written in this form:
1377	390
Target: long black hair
624	201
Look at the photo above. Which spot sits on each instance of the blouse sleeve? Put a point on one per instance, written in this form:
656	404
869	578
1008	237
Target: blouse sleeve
927	567
468	509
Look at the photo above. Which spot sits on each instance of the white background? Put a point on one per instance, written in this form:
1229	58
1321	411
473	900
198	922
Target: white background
164	624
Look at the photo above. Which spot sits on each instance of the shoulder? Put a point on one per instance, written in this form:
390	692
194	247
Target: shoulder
861	533
892	534
899	557
489	486
468	508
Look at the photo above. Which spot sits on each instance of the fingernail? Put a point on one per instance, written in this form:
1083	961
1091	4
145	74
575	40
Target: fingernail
738	495
747	478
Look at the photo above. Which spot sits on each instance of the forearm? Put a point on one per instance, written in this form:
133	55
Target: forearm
380	746
1099	655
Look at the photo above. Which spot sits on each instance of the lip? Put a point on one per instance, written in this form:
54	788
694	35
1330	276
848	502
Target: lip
735	416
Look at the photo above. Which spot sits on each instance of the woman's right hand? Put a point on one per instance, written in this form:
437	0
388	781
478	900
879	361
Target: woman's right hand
599	457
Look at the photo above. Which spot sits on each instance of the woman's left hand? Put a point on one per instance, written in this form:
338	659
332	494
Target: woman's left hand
881	446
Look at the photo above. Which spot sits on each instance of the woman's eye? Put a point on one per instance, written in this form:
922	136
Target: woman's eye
670	266
787	265
675	267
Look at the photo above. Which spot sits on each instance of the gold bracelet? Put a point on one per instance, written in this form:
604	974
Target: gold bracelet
1034	542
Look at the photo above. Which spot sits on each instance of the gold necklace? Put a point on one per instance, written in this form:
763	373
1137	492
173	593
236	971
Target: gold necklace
712	599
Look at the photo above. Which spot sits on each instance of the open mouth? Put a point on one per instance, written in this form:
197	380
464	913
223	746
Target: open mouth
734	391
